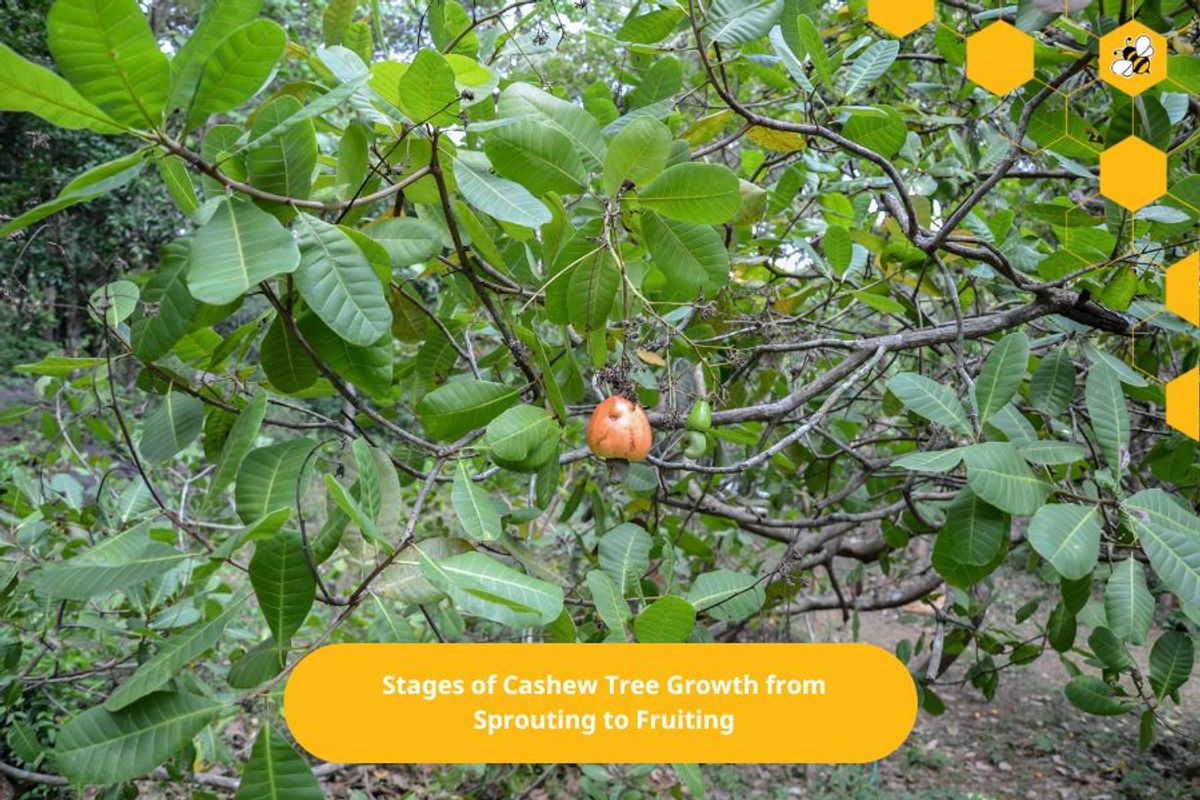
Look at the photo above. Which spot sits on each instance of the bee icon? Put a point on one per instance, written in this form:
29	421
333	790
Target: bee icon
1134	57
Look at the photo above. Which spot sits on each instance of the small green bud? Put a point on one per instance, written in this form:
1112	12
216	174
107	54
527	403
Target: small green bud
696	444
700	417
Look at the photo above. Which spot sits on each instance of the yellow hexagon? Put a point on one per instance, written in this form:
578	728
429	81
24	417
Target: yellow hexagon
1183	404
1000	58
1133	58
1133	173
900	17
1183	289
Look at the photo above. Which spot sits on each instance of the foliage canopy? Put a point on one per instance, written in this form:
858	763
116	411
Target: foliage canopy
354	388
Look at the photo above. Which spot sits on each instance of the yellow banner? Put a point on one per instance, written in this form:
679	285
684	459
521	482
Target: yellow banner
619	703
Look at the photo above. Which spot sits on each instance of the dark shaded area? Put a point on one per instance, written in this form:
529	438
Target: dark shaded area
48	270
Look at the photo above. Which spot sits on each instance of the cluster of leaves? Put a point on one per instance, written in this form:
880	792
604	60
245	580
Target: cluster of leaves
360	379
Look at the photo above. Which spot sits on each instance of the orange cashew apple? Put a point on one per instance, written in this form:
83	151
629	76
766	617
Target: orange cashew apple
619	429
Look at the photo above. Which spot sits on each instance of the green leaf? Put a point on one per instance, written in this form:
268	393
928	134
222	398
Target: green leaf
1095	697
239	247
667	619
95	182
1124	372
521	100
1002	373
537	156
107	50
742	21
338	283
282	164
367	368
29	87
692	777
404	581
1014	426
283	583
1110	416
216	147
336	20
1171	661
276	772
390	501
483	587
261	136
579	253
173	426
518	432
258	665
59	366
474	507
624	553
814	48
23	741
638	153
1167	533
562	630
931	400
237	70
973	541
448	19
263	528
610	605
407	240
358	39
998	474
353	160
880	129
789	59
1068	536
113	302
287	366
102	747
237	445
173	655
498	197
1063	216
356	511
1053	385
1128	603
1109	649
117	562
726	595
268	478
869	65
839	249
659	82
1051	453
936	461
707	194
591	292
217	19
427	90
370	493
178	180
1061	629
459	407
651	27
692	257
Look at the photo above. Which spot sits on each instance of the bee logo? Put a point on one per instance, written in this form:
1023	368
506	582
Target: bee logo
1134	57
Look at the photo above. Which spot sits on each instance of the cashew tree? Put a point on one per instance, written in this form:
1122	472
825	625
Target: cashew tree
891	332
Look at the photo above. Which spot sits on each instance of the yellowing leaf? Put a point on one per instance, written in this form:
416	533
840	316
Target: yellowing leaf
776	141
706	128
651	358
